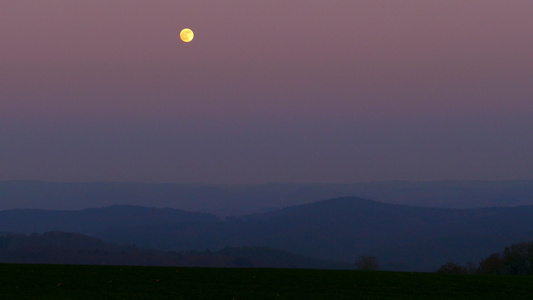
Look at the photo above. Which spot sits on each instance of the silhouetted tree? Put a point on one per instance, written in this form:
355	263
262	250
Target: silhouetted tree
491	265
367	262
518	259
452	268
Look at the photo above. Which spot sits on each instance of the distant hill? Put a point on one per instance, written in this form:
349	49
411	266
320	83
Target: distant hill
73	248
227	200
90	221
340	229
402	237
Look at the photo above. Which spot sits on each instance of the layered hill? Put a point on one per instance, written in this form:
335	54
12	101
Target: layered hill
72	248
227	200
402	237
93	220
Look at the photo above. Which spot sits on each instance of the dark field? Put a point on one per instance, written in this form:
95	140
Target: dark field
118	282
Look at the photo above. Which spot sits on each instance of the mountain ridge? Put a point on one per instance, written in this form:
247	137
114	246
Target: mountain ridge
228	200
340	229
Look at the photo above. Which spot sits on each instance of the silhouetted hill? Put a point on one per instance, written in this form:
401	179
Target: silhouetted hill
90	221
226	200
73	248
340	229
344	228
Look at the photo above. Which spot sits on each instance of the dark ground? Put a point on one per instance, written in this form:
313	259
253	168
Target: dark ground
120	282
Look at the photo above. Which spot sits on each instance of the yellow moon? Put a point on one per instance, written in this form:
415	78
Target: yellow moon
186	35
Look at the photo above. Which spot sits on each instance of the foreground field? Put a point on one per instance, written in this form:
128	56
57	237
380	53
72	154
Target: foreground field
120	282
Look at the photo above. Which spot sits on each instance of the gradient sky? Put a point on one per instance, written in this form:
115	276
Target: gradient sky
268	91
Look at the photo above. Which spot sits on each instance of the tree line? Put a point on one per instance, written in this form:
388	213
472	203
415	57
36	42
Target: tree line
514	260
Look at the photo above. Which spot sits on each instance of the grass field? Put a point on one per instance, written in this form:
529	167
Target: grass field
120	282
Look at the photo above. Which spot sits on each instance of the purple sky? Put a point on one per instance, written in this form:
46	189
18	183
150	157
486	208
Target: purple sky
268	91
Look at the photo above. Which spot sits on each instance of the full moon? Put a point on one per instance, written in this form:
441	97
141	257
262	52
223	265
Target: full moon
186	35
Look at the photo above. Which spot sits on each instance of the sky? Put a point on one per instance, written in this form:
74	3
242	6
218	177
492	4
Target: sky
293	91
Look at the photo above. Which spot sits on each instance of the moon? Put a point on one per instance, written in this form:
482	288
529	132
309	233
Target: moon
186	35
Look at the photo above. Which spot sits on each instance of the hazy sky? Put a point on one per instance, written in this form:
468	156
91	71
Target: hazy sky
268	91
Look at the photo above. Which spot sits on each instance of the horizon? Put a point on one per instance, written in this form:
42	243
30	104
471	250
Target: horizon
273	183
230	200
